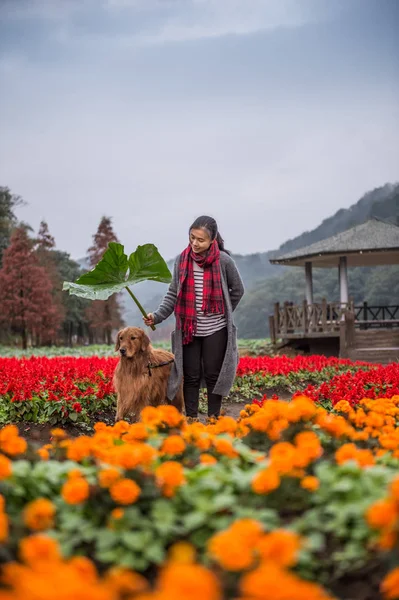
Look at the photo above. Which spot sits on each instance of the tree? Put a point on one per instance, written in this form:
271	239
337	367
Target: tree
44	246
26	304
104	316
8	220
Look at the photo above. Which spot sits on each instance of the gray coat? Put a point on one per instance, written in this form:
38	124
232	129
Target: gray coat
233	291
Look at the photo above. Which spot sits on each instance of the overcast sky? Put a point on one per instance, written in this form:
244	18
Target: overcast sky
268	114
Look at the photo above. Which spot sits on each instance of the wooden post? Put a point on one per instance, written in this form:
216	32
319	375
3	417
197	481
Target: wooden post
285	318
304	316
324	315
343	280
277	324
309	282
272	330
365	315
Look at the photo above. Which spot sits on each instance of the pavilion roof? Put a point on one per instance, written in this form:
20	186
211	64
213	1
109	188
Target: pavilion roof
374	242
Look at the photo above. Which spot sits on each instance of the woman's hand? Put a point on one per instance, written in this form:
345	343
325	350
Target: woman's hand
149	321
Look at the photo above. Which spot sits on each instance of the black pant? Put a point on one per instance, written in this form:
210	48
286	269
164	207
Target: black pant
207	351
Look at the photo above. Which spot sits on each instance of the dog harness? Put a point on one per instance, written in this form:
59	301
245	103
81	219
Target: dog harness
162	364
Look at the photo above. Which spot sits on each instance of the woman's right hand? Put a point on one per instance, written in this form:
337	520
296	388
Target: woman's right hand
149	321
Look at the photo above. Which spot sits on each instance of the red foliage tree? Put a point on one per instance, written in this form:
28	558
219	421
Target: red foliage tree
26	303
104	316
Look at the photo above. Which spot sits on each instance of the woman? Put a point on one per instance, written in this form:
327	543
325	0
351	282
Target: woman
205	290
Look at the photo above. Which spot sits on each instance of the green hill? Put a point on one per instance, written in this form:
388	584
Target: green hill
266	284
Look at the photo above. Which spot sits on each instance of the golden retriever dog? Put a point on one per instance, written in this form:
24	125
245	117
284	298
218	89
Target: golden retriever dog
142	374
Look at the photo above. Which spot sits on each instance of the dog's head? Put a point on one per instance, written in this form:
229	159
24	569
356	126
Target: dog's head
131	341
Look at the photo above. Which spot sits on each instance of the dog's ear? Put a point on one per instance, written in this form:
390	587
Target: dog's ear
117	341
145	342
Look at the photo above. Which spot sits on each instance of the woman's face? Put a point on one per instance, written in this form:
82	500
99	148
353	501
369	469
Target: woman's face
200	240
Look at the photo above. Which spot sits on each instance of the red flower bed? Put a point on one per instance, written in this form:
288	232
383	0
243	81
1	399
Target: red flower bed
380	381
283	365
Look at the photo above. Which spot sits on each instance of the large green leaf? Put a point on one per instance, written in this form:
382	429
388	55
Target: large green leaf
110	276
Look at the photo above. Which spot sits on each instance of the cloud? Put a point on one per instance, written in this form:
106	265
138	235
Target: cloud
152	22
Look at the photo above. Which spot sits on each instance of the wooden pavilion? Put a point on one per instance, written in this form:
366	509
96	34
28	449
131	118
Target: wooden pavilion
340	328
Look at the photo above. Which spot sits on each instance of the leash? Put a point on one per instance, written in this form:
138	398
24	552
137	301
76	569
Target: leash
162	364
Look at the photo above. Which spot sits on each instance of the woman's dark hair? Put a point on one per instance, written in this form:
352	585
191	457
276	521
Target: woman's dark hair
210	225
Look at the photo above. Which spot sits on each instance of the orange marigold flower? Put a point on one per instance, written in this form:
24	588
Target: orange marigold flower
58	433
10	442
390	585
43	453
38	547
266	481
345	452
280	585
5	467
225	447
229	551
170	475
343	406
125	491
106	477
280	546
207	459
182	552
196	582
387	540
394	489
75	490
137	431
4	527
310	483
79	448
282	456
84	567
173	444
39	514
117	514
382	514
125	583
226	425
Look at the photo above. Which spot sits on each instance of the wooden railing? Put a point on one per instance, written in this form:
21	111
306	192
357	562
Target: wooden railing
324	318
367	316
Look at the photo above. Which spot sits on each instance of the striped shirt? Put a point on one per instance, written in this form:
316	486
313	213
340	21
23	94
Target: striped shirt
206	324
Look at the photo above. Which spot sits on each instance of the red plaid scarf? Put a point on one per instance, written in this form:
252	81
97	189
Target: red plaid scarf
185	309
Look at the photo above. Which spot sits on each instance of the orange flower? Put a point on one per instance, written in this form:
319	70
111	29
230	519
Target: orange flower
182	552
125	491
117	514
310	483
38	547
39	514
75	490
58	434
5	467
43	453
173	444
387	540
79	448
125	583
3	527
84	567
107	477
226	425
390	585
137	431
195	582
282	457
266	481
233	549
382	514
279	546
207	459
394	489
279	584
225	447
10	442
170	476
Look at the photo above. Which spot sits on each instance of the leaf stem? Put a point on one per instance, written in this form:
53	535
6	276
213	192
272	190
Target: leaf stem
141	309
